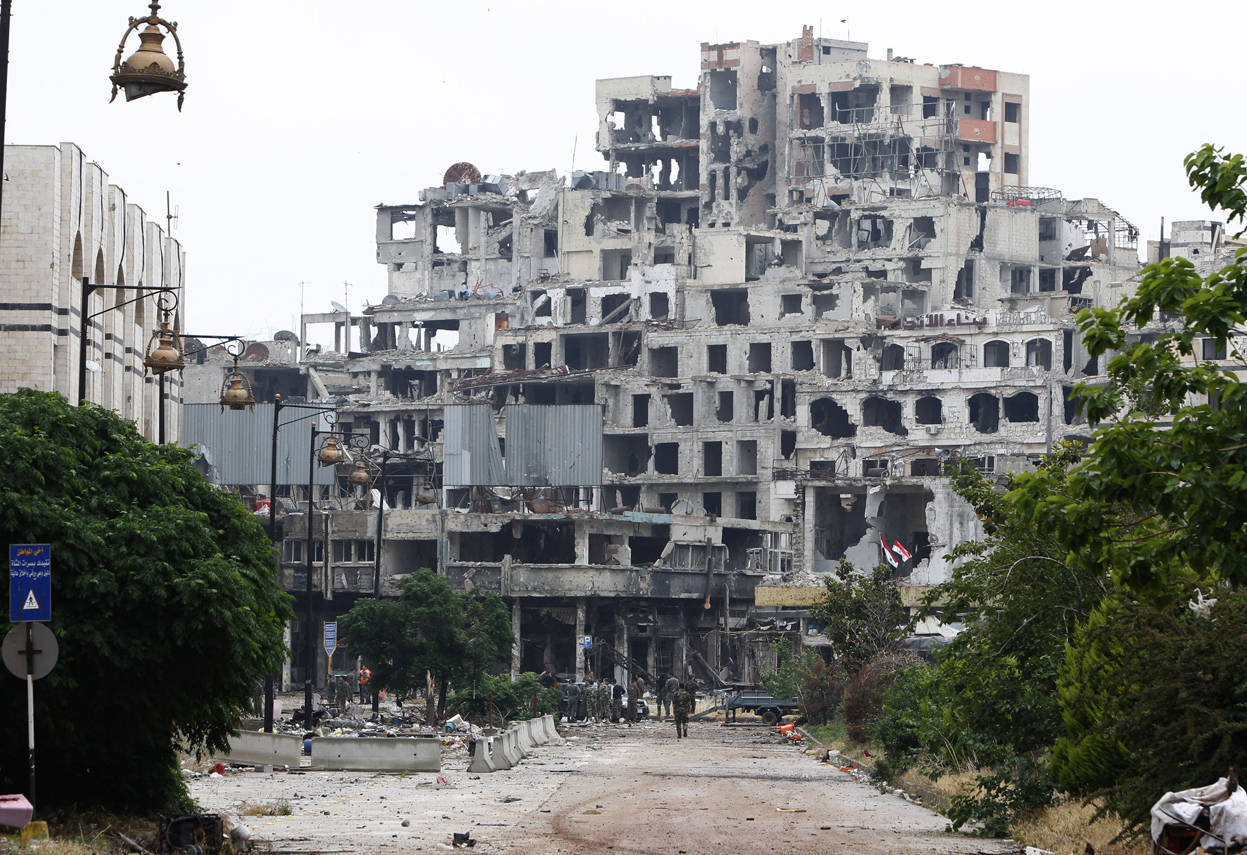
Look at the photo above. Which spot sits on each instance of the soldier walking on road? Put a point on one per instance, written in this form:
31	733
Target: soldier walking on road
682	702
669	689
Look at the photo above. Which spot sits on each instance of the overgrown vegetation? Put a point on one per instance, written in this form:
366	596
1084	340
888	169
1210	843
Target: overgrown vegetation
166	607
1083	672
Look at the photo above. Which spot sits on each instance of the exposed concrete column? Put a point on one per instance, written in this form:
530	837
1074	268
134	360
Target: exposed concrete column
286	639
516	645
621	644
582	543
580	639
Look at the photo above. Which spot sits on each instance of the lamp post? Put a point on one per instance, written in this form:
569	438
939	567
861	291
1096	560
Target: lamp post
278	406
149	70
330	453
165	355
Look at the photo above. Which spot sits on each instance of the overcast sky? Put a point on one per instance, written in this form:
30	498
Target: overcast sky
298	122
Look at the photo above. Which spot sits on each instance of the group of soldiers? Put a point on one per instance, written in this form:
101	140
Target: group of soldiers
602	700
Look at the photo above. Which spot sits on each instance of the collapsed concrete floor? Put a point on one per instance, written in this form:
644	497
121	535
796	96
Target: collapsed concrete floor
605	789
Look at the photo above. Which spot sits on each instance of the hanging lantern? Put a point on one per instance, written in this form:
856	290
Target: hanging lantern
359	476
164	350
331	453
149	70
236	391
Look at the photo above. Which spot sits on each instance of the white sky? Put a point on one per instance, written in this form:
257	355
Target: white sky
298	122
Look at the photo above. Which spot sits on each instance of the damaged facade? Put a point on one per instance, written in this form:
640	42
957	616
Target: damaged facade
791	296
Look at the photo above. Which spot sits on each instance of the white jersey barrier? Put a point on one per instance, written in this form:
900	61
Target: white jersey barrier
264	749
378	754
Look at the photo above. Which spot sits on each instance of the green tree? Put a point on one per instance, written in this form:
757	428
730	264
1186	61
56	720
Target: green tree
428	637
1174	491
165	605
862	614
1154	700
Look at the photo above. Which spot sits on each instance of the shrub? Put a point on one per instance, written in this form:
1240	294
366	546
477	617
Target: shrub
863	695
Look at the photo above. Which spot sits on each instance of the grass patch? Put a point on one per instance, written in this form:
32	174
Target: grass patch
1066	829
281	807
833	734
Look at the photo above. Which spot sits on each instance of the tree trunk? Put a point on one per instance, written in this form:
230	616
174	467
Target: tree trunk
441	698
430	700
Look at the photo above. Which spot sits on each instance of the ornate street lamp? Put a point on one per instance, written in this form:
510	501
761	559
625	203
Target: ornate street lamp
149	70
359	476
164	349
236	391
330	453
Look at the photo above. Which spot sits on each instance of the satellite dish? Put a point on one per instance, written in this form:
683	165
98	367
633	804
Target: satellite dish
462	173
338	307
285	335
389	300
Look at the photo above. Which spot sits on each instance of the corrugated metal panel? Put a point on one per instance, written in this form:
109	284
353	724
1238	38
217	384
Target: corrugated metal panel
557	445
237	444
471	456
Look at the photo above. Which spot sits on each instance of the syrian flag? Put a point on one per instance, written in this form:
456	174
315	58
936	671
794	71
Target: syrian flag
888	554
901	552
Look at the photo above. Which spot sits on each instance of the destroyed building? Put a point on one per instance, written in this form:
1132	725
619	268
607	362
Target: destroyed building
662	398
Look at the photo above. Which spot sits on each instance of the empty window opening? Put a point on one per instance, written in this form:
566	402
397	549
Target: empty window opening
985	412
901	99
725	411
874	231
541	304
1073	277
625	348
730	307
809	111
825	303
664	361
615	264
640	410
788	399
585	352
680	405
757	257
1047	279
830	419
930	106
746	457
664	255
658	305
446	240
1016	279
945	355
402	226
1047	228
667	458
929	411
1211	348
541	354
1067	349
892	358
1039	353
759	357
876	467
922	232
746	505
1073	407
723	90
551	243
855	106
837	358
513	356
839	522
626	455
1012	163
712	458
1092	368
763	405
924	466
713	503
716	358
1013	111
665	501
802	356
577	303
1022	407
789	304
787	443
880	412
996	354
613	308
964	289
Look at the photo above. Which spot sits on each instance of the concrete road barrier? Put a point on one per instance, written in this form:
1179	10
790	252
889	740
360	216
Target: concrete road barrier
377	754
263	749
522	742
483	758
536	735
551	730
510	751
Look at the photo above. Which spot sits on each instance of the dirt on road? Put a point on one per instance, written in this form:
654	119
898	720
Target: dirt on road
606	789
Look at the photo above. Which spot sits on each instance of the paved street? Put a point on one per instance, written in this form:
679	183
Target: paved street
606	789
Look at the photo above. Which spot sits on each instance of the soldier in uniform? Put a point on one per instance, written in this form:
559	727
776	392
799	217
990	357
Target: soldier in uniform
681	706
634	692
616	693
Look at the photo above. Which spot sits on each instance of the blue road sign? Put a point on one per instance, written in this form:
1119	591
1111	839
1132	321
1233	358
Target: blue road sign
331	637
30	582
